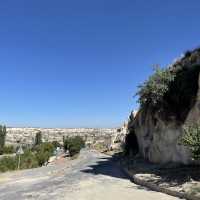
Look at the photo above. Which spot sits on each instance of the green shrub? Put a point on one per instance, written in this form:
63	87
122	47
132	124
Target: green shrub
100	146
74	145
9	149
172	91
44	152
152	91
28	160
66	143
8	164
191	139
26	147
31	158
56	144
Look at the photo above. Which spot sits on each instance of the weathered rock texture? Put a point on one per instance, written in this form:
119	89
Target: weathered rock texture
158	135
110	137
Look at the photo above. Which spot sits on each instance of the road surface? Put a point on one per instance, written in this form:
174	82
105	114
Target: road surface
93	176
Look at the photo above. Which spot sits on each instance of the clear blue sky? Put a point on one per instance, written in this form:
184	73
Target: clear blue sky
78	63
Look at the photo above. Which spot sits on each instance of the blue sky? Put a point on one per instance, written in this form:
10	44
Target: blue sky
78	63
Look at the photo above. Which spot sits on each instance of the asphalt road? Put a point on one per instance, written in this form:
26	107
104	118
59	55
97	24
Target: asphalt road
93	176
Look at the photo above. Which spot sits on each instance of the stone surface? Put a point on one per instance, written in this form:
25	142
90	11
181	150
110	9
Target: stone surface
172	181
160	143
159	139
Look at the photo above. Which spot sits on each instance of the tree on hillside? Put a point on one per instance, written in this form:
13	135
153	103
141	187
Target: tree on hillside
38	138
2	138
74	145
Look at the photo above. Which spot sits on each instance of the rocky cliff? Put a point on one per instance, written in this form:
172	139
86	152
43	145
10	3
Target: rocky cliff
159	129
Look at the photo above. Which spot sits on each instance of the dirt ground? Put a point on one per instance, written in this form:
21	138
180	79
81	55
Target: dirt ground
184	179
92	176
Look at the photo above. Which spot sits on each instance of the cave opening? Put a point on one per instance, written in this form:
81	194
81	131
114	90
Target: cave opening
131	143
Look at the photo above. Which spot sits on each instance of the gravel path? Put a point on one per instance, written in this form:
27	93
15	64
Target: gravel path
93	176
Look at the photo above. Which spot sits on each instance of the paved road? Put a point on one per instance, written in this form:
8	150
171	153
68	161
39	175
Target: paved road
93	176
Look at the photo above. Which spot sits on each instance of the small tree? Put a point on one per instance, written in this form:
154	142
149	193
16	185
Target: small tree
74	145
43	152
2	138
191	138
38	138
63	139
66	143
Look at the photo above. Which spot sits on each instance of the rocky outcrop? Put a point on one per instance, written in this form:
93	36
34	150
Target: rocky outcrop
92	136
159	143
118	139
158	133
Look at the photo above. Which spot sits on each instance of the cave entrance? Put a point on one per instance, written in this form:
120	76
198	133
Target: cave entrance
131	143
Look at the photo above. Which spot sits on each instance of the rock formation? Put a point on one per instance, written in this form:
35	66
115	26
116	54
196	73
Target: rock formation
159	130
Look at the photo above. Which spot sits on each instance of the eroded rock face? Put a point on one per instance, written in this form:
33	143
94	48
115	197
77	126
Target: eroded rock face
159	141
158	138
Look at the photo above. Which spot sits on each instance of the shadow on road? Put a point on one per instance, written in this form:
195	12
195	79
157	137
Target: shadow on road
109	166
106	166
174	174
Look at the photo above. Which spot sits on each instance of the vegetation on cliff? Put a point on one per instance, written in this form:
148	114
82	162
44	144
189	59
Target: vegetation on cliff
191	138
168	95
152	91
172	91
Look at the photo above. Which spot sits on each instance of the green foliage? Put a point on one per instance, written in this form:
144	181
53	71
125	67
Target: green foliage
43	152
8	164
191	138
2	138
152	91
28	160
56	144
66	143
8	149
31	158
172	91
182	93
38	138
74	145
100	146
